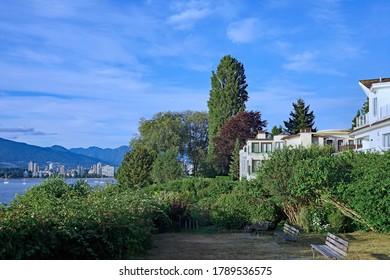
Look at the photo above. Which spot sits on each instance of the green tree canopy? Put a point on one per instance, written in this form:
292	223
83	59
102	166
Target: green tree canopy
162	132
276	130
300	118
227	95
135	168
197	140
167	167
188	131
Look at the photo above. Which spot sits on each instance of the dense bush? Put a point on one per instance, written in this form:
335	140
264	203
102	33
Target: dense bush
368	192
305	182
230	211
60	221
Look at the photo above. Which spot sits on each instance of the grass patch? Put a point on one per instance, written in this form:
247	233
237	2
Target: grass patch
211	245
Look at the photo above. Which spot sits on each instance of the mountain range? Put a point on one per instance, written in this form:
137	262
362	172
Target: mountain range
17	155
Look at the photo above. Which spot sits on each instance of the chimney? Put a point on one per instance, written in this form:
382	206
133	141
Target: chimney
261	135
305	130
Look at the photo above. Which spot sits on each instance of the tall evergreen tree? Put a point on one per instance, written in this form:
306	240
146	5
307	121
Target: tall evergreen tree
227	95
300	118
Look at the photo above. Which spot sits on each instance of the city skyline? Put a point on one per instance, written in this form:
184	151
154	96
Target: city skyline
81	74
98	169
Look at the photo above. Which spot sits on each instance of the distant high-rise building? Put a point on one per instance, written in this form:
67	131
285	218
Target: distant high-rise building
30	166
99	168
108	171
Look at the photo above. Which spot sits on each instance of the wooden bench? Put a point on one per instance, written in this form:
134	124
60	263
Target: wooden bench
256	228
289	233
334	248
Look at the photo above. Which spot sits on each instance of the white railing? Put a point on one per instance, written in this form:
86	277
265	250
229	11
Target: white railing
362	120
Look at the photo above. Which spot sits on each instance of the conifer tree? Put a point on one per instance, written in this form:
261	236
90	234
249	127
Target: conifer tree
276	130
227	95
300	118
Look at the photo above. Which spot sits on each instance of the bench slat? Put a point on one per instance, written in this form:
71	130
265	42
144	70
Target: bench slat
289	233
335	247
327	252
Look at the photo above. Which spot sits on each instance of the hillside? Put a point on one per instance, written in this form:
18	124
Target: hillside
113	156
17	155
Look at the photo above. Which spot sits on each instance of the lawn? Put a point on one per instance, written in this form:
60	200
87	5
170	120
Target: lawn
265	246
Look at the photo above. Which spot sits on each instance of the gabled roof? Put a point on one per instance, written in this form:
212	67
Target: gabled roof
368	83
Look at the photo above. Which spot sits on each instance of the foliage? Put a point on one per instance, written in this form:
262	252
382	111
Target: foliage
135	169
188	131
367	193
320	192
230	211
59	221
162	132
167	167
234	168
197	141
300	118
276	130
277	172
227	95
11	173
243	126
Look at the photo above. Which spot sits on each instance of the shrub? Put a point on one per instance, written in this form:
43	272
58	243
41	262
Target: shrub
230	211
60	221
260	209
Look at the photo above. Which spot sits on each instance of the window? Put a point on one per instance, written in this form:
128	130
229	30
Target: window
375	106
339	143
279	145
329	142
386	140
266	147
255	148
350	142
256	164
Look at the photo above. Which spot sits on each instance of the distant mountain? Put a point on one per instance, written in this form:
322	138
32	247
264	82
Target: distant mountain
17	155
113	156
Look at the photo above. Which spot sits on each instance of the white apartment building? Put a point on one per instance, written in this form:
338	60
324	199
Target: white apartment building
372	131
257	150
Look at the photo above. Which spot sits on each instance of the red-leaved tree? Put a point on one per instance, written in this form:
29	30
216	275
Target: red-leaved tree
243	126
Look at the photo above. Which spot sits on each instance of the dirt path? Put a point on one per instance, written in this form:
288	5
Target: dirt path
224	246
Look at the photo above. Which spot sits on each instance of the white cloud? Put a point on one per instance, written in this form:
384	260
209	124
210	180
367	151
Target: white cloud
244	31
189	14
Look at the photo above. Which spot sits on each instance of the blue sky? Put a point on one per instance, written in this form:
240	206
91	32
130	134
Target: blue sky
82	73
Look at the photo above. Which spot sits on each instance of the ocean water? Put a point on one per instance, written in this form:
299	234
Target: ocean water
16	186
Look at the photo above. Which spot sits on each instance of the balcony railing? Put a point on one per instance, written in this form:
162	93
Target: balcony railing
349	147
362	120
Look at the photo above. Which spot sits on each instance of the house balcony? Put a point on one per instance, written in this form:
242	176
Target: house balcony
362	120
350	147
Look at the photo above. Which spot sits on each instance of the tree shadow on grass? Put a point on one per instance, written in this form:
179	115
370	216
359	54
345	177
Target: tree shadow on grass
381	256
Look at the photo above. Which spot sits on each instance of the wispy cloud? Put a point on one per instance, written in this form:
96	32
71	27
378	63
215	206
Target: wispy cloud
25	131
188	14
310	61
244	31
